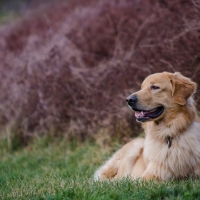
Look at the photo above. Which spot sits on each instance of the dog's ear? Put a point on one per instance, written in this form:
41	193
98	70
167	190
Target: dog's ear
182	88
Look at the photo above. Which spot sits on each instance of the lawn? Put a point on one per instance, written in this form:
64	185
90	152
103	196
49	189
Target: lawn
57	169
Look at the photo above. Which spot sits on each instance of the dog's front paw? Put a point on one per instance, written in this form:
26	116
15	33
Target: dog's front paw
148	177
97	176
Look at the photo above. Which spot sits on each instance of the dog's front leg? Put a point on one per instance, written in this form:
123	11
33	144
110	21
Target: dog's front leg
155	171
196	171
109	170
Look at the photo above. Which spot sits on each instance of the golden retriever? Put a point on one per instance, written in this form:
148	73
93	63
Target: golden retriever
171	147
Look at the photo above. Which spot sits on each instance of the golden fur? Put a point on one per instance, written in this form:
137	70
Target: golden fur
153	157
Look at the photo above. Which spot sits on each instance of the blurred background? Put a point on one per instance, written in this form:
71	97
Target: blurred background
67	66
11	9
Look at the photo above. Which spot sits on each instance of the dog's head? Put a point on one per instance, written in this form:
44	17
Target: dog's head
159	93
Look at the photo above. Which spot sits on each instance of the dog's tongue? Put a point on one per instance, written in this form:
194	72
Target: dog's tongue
139	114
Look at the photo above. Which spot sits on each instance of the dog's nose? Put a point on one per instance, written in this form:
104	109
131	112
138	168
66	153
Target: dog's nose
131	100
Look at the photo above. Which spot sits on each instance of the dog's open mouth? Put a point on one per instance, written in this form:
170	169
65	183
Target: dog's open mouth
143	116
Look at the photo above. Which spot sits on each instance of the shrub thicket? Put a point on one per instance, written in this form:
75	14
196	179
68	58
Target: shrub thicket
69	66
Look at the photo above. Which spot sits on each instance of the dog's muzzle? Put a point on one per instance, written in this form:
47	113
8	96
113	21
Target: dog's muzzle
131	101
143	115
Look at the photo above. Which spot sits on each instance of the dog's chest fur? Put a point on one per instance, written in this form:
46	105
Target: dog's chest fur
183	155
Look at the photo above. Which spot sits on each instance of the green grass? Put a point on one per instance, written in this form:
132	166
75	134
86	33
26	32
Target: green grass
57	169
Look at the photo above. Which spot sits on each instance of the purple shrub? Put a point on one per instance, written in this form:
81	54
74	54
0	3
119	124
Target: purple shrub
69	67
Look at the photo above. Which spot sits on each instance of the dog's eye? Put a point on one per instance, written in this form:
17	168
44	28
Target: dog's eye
153	87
